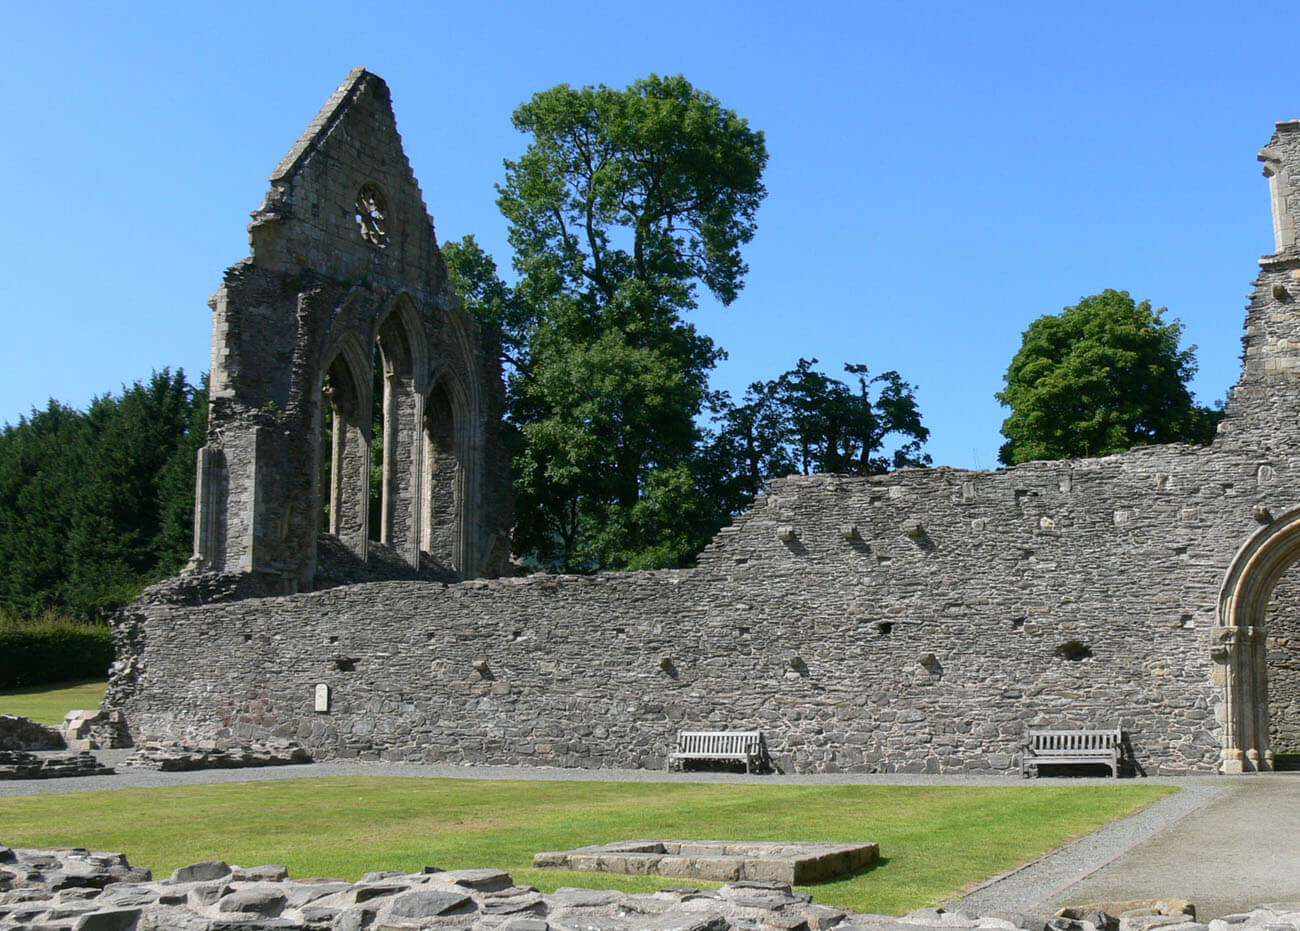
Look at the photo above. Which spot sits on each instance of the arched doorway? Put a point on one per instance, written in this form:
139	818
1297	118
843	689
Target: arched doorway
1239	642
1283	667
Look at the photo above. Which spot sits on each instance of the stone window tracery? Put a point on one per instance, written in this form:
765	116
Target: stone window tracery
372	214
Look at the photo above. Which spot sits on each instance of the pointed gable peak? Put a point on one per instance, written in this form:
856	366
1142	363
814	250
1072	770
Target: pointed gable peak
358	83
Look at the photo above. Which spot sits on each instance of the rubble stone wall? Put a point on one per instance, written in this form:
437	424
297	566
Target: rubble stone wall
344	264
917	621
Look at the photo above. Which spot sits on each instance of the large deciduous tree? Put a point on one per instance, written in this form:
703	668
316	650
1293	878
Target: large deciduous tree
623	204
1100	377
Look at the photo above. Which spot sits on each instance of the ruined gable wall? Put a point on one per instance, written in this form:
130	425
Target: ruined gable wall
313	288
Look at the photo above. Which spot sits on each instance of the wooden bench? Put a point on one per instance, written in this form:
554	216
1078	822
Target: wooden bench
1069	747
744	746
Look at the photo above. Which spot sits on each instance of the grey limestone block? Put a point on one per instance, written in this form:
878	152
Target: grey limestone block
202	871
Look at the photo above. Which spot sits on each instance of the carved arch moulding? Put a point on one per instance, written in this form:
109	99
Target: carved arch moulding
1238	642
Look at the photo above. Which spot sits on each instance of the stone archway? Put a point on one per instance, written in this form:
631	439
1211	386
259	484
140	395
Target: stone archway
1238	642
345	389
403	358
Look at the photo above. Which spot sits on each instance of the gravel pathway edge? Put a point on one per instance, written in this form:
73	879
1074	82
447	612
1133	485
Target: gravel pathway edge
1023	888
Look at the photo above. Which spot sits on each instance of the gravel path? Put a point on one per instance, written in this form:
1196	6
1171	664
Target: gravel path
131	778
1239	850
1057	875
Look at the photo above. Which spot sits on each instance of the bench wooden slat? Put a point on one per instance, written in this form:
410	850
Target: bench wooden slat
744	746
1072	746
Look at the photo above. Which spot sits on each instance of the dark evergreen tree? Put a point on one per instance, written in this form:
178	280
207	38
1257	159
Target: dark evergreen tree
95	505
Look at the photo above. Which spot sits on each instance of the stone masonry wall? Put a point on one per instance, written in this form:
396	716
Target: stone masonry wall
319	292
960	607
918	621
1284	664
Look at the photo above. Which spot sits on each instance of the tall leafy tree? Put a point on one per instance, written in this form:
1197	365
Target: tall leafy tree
1100	377
492	301
175	540
117	538
625	202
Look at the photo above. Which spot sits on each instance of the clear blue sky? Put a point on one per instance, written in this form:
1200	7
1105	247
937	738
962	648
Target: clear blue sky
941	173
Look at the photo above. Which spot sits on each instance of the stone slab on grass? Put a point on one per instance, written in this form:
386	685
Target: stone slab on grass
717	860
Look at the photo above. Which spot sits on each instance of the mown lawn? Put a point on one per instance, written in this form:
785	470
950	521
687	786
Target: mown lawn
934	840
47	704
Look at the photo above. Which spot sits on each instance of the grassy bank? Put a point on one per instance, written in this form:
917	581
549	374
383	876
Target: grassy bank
934	840
47	704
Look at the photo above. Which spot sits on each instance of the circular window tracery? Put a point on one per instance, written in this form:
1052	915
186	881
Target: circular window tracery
372	213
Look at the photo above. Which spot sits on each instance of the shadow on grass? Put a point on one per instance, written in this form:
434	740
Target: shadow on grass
869	868
51	687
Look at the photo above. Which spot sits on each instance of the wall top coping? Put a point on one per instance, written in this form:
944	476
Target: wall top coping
331	113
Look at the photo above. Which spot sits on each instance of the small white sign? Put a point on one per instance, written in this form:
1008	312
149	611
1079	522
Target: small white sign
322	697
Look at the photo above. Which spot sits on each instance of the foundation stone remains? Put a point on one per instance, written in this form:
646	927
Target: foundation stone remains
718	860
18	764
19	733
176	758
918	622
75	888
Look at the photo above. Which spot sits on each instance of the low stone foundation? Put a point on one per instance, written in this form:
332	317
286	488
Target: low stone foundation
73	888
19	733
18	764
175	758
718	860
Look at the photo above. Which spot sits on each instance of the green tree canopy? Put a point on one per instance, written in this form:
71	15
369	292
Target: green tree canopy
623	204
1100	377
806	421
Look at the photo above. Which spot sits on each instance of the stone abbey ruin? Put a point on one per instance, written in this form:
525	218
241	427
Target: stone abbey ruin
918	621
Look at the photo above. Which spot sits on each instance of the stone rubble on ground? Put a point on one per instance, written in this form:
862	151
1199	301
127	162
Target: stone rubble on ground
174	757
74	889
94	729
19	764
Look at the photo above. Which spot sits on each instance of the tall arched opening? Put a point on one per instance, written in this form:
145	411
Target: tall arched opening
1283	670
442	508
343	448
1239	643
399	361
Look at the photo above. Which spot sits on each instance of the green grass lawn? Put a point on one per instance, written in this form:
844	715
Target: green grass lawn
47	704
934	840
